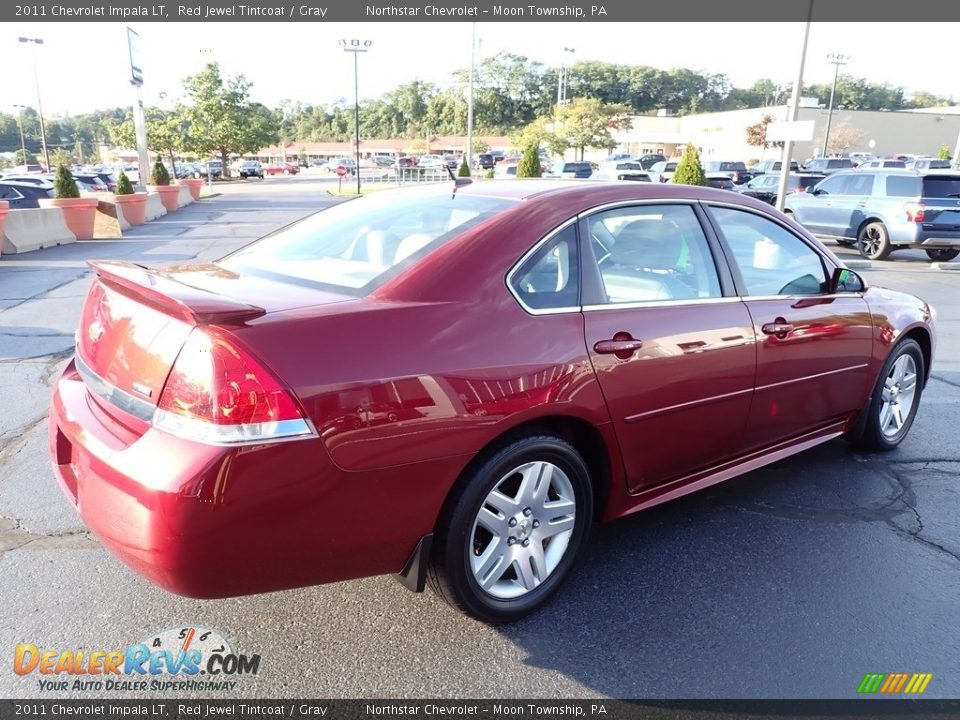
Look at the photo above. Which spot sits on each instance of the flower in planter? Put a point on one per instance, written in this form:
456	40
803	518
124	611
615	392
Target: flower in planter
159	174
64	186
124	186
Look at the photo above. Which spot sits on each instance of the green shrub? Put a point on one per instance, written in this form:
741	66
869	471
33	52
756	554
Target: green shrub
464	170
489	175
689	170
944	153
124	186
529	165
159	174
64	186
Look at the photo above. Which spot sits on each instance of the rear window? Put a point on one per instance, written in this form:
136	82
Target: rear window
833	164
629	166
357	245
575	167
941	187
903	186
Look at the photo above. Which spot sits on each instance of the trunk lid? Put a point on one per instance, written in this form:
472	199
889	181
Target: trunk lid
941	200
135	321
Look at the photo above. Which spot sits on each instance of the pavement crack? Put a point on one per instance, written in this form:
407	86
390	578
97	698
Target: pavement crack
908	499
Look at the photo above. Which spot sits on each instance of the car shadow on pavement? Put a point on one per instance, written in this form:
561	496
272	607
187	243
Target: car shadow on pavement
763	586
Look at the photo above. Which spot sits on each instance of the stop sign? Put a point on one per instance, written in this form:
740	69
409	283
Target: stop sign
341	170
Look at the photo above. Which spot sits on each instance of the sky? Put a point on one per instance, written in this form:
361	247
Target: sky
84	66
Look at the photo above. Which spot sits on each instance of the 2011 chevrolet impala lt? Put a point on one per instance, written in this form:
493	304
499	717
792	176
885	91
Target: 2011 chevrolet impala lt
453	383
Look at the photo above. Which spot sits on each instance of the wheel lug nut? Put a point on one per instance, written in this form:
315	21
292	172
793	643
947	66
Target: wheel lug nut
526	542
527	512
511	540
512	522
536	523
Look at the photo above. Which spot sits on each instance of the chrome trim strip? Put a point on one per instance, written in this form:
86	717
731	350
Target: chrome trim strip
683	406
661	303
812	377
832	296
233	435
526	256
112	394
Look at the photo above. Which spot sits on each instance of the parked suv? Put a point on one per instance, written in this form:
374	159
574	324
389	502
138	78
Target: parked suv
772	166
736	171
880	211
250	169
828	166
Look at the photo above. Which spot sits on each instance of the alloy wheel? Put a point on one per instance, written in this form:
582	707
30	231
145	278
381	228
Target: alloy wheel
898	396
522	530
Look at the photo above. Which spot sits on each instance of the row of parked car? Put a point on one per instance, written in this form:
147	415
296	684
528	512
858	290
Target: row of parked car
23	190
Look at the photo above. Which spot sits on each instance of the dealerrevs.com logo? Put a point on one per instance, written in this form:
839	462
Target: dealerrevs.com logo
178	659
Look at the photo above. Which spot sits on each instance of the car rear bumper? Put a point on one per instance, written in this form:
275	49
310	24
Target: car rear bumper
212	522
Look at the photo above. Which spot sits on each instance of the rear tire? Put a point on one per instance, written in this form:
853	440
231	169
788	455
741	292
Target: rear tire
512	528
873	241
942	254
895	399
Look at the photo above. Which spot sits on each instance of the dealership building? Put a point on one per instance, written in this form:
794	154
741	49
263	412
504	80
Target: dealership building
723	135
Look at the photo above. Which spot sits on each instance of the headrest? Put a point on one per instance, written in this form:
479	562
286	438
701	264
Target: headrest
648	244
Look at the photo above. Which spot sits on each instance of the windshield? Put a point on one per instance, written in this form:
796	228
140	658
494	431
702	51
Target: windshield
355	246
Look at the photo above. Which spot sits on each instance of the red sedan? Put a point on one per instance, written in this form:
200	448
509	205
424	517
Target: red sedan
453	386
281	168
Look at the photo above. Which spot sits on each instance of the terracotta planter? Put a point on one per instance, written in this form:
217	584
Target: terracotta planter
78	213
4	209
195	185
169	195
134	207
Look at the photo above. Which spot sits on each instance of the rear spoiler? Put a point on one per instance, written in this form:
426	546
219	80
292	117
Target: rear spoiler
159	291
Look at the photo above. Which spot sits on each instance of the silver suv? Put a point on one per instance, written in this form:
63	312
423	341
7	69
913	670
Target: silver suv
880	211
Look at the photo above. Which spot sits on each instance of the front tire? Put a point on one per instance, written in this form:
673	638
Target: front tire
873	241
512	528
895	399
942	254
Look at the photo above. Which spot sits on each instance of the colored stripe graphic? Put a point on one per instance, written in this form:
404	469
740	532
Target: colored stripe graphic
894	683
871	682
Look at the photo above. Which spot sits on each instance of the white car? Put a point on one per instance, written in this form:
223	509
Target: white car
663	170
506	171
621	170
41	181
432	162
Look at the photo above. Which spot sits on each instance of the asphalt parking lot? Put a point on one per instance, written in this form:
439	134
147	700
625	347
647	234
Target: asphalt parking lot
793	581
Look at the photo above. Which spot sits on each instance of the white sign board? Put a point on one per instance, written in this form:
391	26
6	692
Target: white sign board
790	131
136	69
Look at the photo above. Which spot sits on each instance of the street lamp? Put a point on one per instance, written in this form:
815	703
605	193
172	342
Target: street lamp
23	144
356	46
36	79
837	59
562	80
473	57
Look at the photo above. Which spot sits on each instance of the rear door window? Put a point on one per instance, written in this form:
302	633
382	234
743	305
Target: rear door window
861	184
903	186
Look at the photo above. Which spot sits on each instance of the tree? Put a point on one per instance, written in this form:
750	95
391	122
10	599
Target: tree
223	120
124	186
589	123
20	159
464	170
757	134
167	131
64	186
159	174
529	165
689	170
944	153
842	138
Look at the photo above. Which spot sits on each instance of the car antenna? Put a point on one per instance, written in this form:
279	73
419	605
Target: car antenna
457	181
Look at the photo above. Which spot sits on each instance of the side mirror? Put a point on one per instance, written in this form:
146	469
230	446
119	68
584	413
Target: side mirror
845	280
818	191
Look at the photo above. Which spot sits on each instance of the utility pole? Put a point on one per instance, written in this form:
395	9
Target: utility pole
794	112
473	55
36	80
837	59
356	47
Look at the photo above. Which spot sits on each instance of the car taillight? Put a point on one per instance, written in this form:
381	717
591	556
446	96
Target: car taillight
914	211
217	393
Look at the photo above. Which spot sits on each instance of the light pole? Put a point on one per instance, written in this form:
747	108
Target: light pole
837	59
473	57
23	144
356	47
562	80
794	111
36	79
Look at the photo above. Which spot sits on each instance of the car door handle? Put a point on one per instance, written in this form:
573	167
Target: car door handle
622	345
779	328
